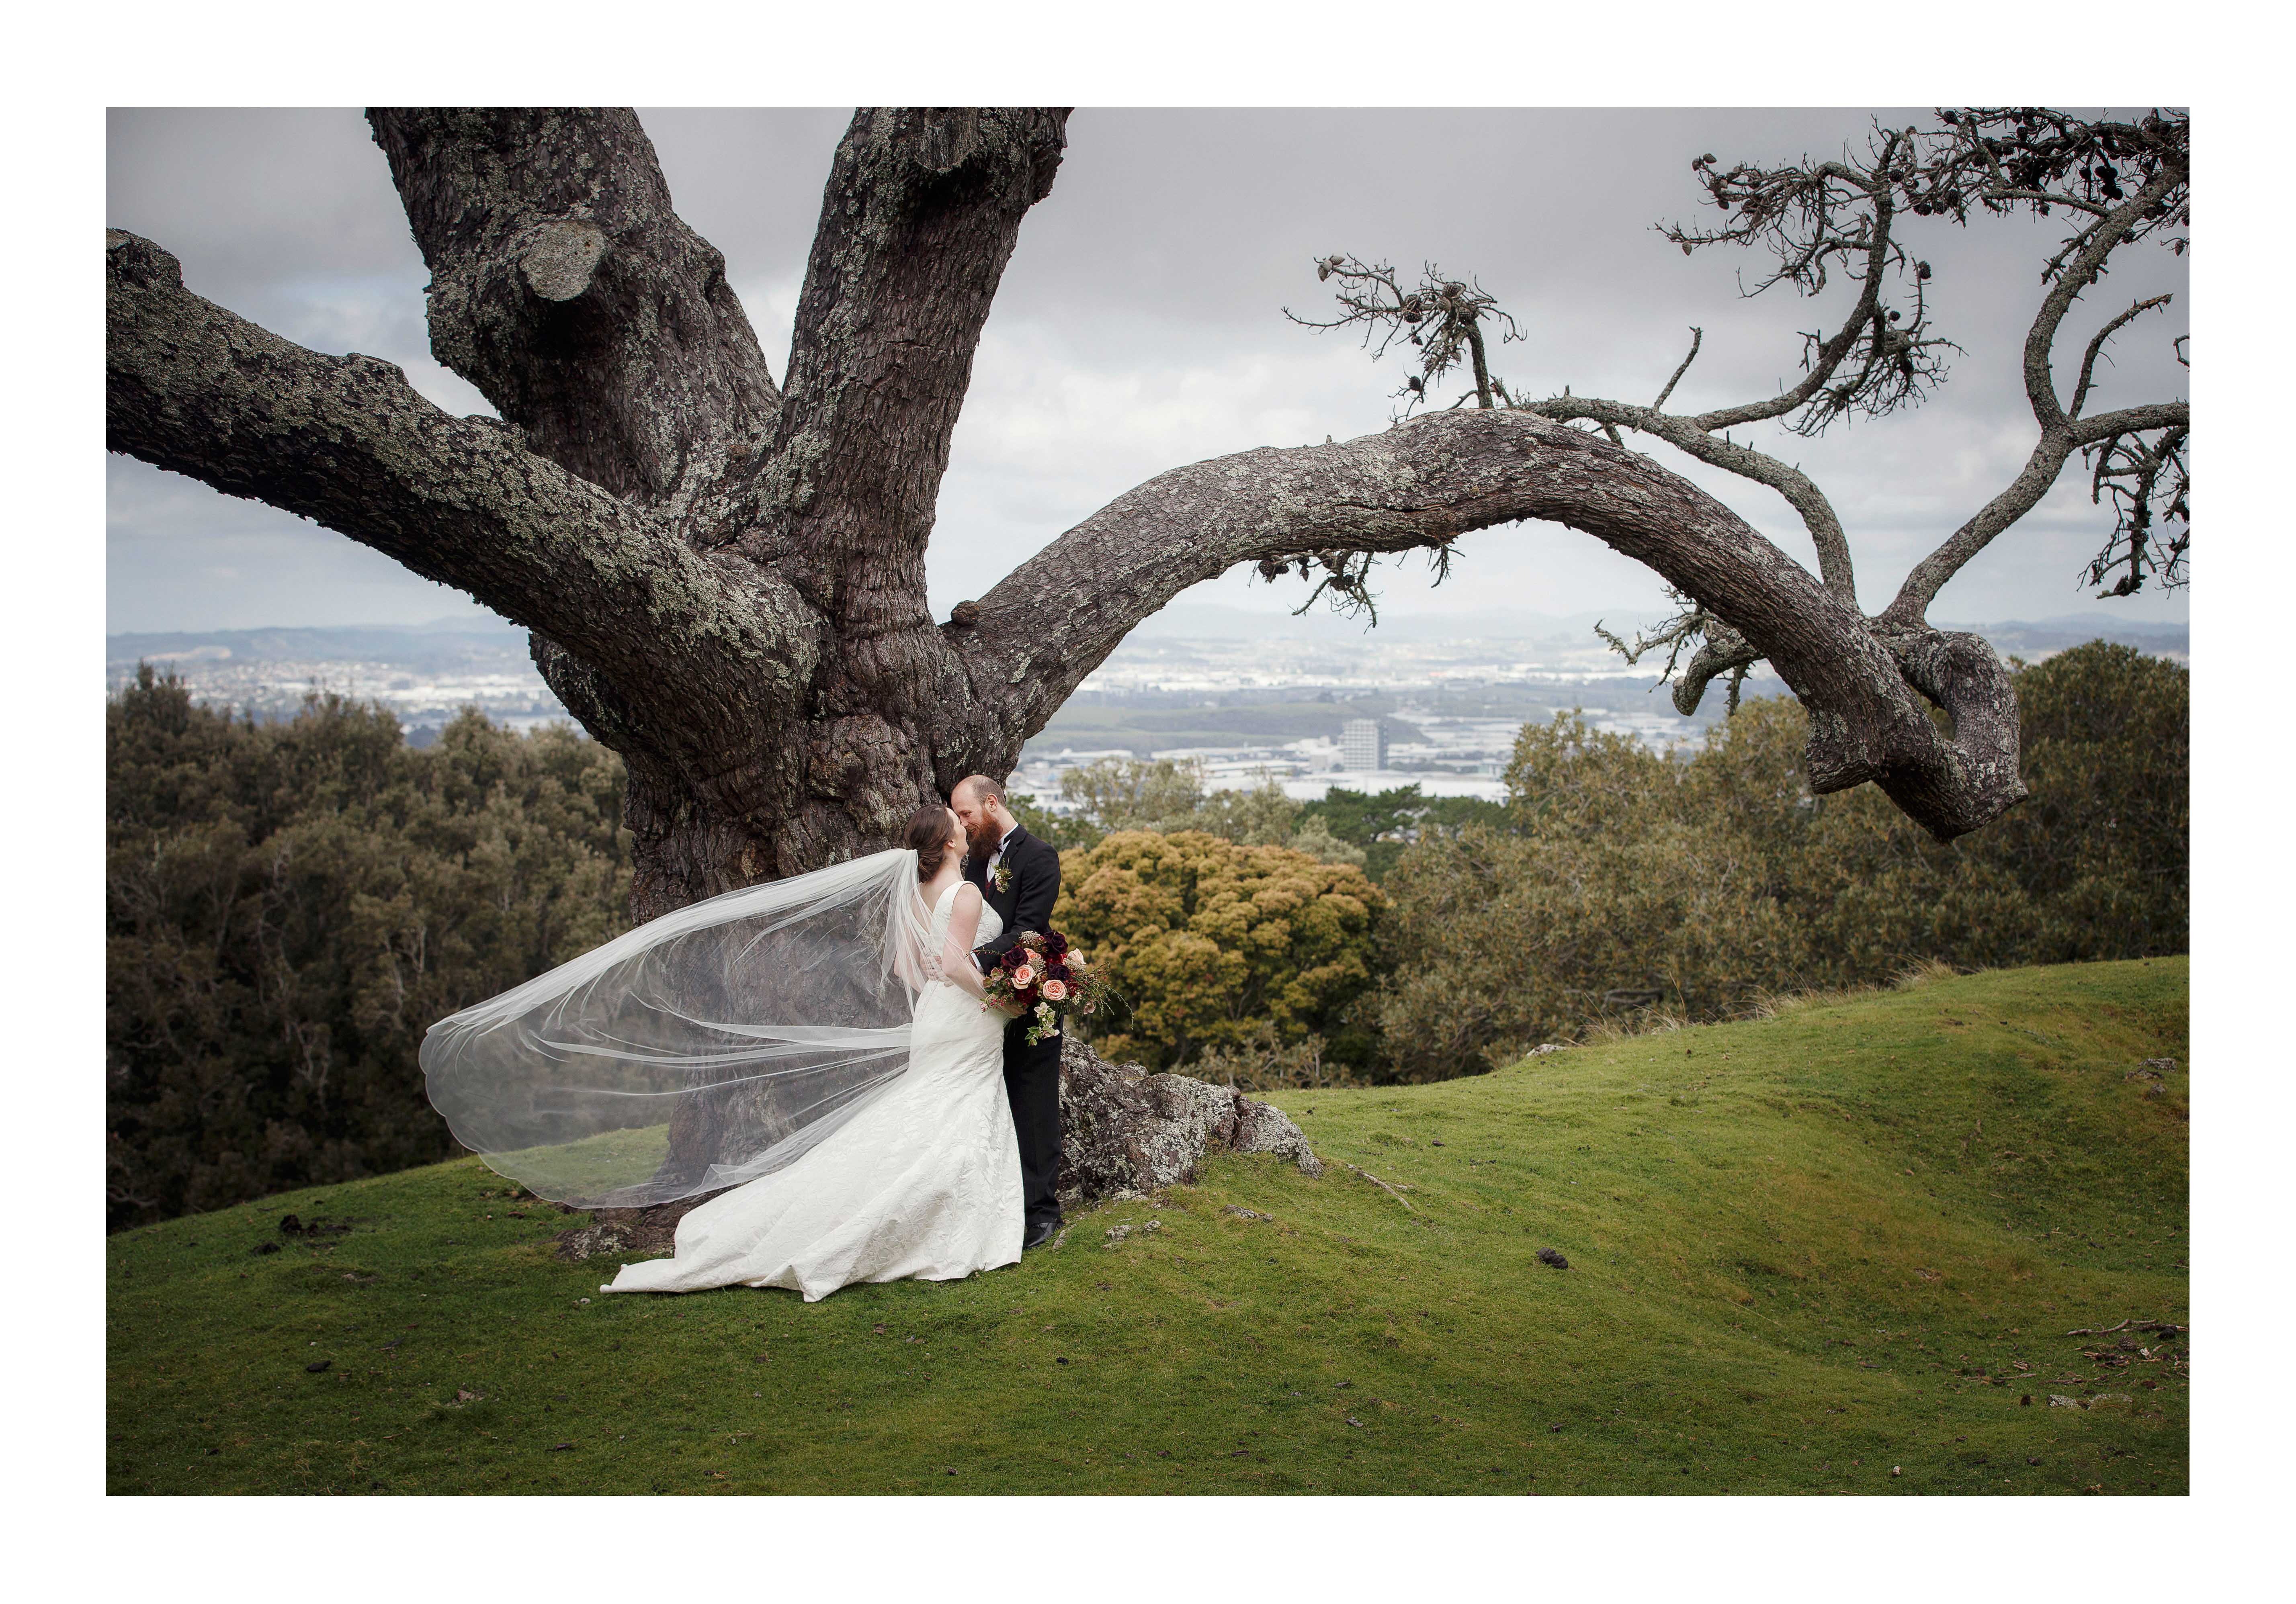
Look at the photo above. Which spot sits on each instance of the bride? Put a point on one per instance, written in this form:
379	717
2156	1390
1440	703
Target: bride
767	1025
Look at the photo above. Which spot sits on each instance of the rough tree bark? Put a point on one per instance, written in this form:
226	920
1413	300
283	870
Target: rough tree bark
725	578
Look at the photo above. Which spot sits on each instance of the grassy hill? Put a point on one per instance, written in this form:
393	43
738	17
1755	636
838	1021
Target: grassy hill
1835	1250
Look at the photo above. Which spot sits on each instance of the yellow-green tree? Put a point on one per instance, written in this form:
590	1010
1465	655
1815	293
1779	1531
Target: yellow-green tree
1208	942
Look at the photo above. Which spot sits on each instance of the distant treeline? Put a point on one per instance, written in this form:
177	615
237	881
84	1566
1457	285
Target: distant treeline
290	905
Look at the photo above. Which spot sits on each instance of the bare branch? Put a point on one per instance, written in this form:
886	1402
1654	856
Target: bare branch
2131	419
1697	336
2077	275
2024	493
2095	346
1816	218
1419	486
2147	482
1441	319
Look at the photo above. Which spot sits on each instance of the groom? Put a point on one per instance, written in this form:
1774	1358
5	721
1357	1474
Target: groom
1020	877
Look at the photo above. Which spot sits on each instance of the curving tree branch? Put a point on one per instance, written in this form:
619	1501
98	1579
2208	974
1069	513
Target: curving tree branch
1033	638
2098	241
1690	436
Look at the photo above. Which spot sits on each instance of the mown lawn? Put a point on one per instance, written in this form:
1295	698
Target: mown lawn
1833	1251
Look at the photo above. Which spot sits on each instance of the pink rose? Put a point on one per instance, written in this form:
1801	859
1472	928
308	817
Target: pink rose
1054	992
1023	977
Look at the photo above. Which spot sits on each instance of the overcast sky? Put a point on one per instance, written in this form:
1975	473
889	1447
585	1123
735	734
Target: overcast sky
1139	327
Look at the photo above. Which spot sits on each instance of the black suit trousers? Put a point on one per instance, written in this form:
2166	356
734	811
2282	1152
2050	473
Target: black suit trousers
1032	1086
1032	1074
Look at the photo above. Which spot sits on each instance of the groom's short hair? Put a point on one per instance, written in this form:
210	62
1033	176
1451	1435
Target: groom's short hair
983	789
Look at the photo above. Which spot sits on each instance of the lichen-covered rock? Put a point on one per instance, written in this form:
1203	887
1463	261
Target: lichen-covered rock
632	1232
1124	1130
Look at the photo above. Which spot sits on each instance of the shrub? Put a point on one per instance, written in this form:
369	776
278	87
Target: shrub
1265	1063
1207	941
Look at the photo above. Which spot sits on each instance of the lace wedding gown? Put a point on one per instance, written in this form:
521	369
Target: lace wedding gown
923	1183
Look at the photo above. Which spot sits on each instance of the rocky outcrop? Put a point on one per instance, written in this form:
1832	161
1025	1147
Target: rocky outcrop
631	1232
1123	1131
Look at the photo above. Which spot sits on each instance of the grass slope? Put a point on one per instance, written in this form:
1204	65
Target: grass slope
1807	1254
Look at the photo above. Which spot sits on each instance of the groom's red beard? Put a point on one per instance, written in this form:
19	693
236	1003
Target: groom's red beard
983	841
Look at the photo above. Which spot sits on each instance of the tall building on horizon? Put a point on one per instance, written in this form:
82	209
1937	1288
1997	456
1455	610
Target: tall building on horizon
1363	745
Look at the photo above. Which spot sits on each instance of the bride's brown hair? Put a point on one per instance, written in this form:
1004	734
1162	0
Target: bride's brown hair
931	836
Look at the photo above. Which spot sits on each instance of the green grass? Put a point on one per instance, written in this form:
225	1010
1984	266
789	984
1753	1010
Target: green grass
1803	1251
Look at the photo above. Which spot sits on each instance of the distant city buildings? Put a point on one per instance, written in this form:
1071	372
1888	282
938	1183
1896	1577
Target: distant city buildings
1363	745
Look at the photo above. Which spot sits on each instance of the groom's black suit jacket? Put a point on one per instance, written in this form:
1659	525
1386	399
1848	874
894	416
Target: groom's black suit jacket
1032	1074
1036	886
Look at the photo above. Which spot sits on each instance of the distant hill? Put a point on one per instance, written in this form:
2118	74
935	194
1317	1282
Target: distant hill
425	672
2035	638
448	642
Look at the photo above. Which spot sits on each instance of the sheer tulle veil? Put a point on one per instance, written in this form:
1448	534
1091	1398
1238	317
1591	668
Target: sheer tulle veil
715	1044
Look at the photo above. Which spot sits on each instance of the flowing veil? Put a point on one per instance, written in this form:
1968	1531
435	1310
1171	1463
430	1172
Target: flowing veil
715	1044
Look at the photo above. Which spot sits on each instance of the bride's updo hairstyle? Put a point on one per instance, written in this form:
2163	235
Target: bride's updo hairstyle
929	835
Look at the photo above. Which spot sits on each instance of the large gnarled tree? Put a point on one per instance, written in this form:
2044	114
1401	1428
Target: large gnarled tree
725	578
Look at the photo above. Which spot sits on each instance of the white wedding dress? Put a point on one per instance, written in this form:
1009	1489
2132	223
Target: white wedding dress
923	1183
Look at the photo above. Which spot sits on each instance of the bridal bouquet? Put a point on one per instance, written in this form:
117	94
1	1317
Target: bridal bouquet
1046	980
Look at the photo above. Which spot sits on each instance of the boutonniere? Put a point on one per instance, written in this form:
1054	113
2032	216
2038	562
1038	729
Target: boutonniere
1003	876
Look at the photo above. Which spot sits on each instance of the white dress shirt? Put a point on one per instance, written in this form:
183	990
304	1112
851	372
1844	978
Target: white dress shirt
989	872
